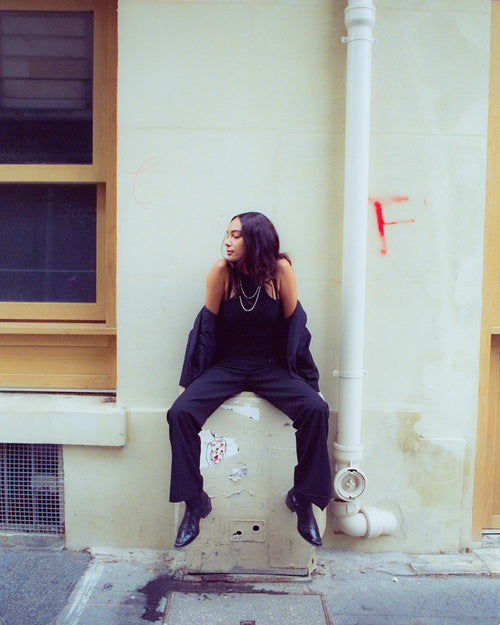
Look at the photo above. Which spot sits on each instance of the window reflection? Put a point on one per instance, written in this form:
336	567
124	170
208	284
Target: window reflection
47	243
46	66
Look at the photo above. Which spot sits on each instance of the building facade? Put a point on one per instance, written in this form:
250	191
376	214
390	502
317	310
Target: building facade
160	121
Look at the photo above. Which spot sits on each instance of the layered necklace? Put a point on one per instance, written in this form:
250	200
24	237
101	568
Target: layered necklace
250	300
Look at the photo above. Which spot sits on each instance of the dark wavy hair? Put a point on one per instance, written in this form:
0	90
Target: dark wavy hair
262	250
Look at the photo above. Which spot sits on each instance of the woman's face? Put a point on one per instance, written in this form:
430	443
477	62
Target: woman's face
234	244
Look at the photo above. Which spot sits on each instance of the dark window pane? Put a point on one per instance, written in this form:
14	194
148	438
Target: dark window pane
47	243
46	66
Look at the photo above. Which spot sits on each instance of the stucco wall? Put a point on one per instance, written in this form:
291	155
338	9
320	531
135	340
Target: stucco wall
232	106
223	107
429	123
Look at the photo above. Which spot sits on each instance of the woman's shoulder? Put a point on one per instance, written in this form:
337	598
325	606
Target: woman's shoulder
220	267
217	285
219	273
287	286
284	267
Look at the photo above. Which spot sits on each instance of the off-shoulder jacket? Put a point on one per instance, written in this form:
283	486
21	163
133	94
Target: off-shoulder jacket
292	347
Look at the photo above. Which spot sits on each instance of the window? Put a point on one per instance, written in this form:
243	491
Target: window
57	193
47	243
46	97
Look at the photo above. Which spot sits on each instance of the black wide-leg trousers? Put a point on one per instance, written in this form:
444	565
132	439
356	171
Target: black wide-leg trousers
304	406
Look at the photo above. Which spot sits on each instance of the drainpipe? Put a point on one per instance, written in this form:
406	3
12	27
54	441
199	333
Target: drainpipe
349	481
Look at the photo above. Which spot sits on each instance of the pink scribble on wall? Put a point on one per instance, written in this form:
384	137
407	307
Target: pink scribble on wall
379	204
141	170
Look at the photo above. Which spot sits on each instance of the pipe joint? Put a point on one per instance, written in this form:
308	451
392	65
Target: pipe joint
359	18
348	455
349	375
359	13
349	39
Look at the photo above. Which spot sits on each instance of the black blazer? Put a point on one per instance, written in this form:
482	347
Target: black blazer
292	346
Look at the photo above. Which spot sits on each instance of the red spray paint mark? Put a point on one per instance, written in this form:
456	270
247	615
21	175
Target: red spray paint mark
381	222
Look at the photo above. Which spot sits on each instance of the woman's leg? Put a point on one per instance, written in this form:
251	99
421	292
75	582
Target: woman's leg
186	418
309	414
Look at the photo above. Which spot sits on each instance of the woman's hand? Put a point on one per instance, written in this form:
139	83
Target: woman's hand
287	287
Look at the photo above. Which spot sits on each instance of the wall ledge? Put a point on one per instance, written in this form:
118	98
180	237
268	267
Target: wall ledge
61	420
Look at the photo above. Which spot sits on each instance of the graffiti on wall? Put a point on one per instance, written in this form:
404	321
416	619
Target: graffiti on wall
379	205
147	165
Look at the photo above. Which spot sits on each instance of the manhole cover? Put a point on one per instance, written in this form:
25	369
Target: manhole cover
235	608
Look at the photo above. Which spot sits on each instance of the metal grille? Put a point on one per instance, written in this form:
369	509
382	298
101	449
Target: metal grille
31	488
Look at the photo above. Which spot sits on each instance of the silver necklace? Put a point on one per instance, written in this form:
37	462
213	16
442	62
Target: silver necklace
249	298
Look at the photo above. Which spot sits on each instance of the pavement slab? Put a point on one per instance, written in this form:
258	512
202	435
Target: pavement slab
490	558
448	564
247	609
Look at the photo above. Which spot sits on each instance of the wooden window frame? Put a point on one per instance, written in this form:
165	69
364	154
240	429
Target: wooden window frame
487	462
45	321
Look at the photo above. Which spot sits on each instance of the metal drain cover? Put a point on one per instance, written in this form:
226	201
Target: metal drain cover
233	608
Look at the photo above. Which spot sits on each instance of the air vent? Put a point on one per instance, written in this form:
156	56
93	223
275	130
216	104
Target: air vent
31	489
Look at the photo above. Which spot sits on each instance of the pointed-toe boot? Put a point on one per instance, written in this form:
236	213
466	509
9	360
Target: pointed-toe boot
197	508
306	523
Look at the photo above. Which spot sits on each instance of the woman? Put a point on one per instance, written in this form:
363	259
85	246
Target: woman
251	335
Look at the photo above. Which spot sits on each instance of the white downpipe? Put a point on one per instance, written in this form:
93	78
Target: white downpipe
349	481
359	18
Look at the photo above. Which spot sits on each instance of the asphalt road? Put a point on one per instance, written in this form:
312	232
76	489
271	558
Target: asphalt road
35	585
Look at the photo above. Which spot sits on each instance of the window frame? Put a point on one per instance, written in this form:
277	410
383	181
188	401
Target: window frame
102	172
62	334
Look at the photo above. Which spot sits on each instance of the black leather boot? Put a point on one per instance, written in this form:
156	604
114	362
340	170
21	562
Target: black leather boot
306	523
197	508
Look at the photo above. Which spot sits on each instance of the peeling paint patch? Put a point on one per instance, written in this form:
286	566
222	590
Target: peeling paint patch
238	492
237	474
434	468
408	440
245	409
215	449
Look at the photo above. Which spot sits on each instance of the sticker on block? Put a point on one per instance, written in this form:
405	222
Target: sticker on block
215	449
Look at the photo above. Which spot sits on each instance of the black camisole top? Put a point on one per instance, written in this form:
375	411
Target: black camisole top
248	326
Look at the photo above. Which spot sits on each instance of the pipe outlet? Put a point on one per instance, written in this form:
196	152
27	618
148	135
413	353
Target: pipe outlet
379	522
349	483
362	523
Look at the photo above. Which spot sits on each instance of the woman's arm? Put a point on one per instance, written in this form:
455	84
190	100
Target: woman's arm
287	287
217	283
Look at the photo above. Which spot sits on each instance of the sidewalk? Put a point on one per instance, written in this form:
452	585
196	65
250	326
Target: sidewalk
57	587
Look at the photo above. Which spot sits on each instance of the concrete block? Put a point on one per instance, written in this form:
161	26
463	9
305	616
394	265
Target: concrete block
247	460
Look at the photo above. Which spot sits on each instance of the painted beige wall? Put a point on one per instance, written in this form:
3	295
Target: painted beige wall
232	106
226	107
429	123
